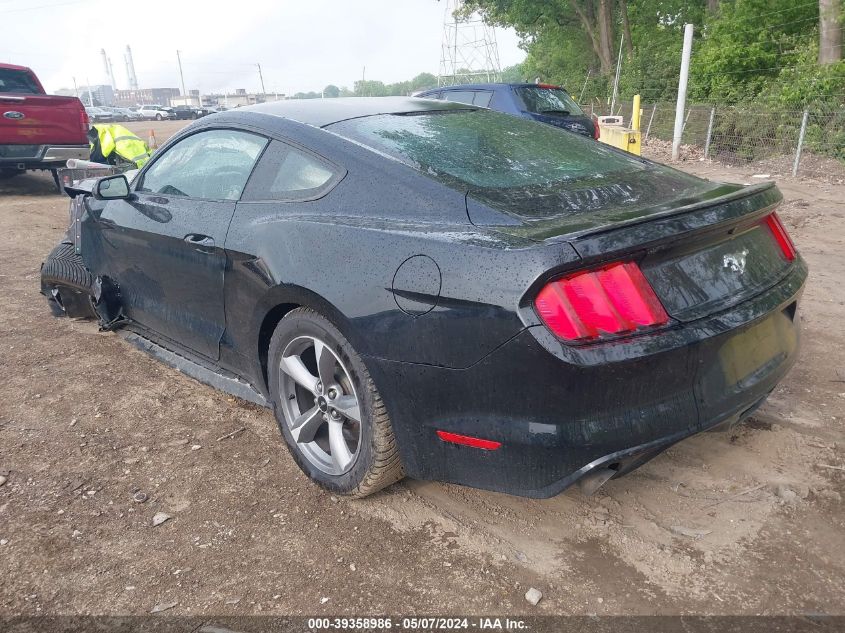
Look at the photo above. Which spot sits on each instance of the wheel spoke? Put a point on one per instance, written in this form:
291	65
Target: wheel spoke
325	363
340	451
294	367
348	407
304	428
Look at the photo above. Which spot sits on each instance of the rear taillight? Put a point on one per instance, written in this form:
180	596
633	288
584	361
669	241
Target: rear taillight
612	300
781	236
83	120
596	129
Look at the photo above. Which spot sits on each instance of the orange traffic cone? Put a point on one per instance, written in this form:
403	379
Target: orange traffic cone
152	142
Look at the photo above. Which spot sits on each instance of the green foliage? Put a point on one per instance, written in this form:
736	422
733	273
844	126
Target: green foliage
747	47
402	88
745	50
758	55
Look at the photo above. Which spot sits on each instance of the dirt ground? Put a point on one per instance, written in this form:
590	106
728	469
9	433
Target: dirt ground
745	522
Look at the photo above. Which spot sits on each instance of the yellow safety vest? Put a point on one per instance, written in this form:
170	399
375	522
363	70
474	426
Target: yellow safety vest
117	139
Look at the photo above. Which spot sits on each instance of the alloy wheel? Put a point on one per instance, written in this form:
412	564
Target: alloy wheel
320	405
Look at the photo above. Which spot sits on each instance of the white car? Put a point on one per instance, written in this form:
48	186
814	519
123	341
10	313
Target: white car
156	112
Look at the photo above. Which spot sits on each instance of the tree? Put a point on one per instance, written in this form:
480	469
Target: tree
369	88
594	19
423	81
513	74
830	31
331	91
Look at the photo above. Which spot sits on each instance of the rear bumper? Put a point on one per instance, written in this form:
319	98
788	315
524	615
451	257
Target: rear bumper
24	157
559	418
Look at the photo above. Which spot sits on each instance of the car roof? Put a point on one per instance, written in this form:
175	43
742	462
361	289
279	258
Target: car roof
323	112
14	67
491	86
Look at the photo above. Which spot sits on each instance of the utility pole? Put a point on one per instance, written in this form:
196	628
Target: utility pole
90	96
75	89
682	92
181	76
261	77
616	79
581	98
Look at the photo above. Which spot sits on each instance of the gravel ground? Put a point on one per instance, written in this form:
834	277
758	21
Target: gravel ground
744	522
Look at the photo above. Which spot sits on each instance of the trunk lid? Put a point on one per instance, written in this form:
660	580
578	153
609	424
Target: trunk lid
704	247
27	119
702	258
590	204
709	273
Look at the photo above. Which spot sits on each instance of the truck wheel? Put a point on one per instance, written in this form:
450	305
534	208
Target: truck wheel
328	409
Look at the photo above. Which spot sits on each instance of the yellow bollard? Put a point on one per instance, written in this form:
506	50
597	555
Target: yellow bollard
635	114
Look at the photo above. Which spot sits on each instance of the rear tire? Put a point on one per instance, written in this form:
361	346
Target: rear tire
348	456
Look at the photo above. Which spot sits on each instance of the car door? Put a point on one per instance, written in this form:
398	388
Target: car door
166	241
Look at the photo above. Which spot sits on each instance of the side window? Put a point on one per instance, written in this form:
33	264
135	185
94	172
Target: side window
287	173
461	96
213	165
482	98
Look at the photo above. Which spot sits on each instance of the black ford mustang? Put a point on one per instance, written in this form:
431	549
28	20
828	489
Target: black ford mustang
426	288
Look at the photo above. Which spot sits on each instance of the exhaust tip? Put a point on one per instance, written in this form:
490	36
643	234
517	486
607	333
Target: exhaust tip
595	479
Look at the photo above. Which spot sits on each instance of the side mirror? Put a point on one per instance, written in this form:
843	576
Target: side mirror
112	188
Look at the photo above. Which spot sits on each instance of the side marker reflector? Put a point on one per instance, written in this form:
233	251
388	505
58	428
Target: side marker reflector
466	440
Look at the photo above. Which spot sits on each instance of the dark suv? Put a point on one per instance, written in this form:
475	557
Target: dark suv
541	102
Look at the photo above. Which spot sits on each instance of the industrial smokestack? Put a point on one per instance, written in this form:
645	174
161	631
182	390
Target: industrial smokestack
106	66
111	75
130	69
128	74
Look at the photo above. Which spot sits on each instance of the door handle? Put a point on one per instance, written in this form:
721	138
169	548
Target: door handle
201	242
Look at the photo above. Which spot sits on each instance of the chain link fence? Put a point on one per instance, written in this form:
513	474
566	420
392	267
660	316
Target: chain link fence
807	142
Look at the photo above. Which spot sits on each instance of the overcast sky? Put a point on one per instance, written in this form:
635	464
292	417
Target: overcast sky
302	45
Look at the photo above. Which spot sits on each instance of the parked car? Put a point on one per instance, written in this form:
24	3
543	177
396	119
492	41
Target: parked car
37	131
157	112
183	112
122	114
432	289
541	102
97	114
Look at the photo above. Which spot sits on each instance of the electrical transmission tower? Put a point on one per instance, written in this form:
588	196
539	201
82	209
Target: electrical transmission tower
469	53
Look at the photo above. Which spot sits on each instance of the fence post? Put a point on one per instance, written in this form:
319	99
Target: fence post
709	132
800	142
650	119
682	92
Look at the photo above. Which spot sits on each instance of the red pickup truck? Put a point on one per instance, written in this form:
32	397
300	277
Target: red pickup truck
37	131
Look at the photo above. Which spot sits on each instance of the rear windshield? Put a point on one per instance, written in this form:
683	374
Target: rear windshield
486	150
548	101
18	81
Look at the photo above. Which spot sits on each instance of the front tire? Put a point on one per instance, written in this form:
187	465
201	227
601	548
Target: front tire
67	282
159	117
328	409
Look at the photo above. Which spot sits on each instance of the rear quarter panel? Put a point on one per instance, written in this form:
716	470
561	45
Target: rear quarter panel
346	267
342	253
